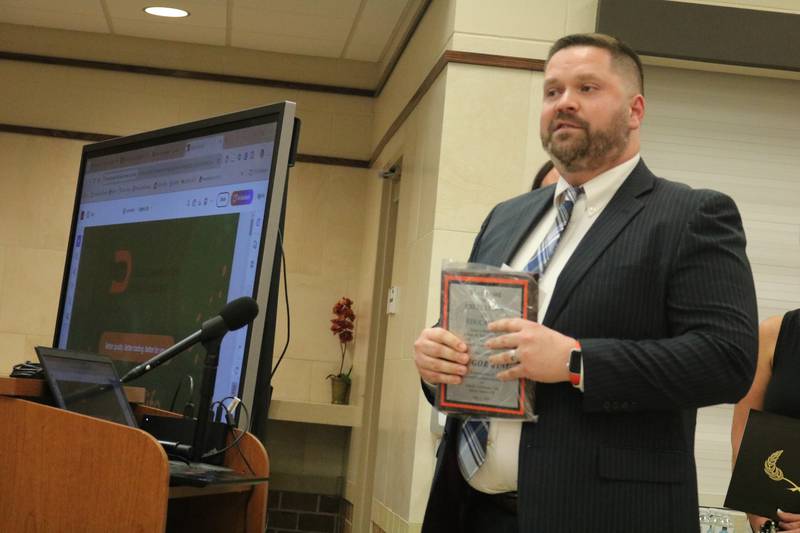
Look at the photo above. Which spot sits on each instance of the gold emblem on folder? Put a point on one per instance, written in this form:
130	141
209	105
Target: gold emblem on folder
775	473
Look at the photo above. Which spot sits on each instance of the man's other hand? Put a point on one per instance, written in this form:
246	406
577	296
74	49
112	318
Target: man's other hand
440	356
535	352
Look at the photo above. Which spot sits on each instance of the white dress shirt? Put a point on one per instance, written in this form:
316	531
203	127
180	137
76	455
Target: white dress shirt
498	473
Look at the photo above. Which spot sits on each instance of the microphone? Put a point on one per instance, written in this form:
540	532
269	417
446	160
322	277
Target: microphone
236	314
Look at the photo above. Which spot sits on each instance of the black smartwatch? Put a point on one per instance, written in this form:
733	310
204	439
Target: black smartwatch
575	365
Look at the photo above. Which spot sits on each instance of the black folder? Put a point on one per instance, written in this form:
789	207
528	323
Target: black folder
766	476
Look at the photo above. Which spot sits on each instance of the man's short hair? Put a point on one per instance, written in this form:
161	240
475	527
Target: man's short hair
622	55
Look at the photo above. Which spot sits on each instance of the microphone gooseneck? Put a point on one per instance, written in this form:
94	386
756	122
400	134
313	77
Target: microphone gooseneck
235	315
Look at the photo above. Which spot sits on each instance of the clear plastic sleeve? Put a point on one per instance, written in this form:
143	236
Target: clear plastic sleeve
474	295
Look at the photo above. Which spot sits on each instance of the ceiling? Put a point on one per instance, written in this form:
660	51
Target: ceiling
359	30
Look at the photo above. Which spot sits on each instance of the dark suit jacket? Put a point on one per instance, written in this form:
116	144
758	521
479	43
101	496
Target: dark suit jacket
660	295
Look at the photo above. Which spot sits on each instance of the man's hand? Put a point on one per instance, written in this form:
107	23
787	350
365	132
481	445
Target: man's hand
440	356
788	521
542	353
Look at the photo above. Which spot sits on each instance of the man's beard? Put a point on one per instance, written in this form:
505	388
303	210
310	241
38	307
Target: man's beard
589	149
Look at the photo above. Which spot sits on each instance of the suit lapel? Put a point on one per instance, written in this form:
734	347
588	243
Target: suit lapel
618	213
526	219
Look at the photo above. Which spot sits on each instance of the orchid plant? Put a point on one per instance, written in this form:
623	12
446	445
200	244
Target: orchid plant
342	325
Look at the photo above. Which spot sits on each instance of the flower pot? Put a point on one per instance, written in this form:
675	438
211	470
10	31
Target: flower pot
340	390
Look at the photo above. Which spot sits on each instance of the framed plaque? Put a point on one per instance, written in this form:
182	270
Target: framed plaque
471	299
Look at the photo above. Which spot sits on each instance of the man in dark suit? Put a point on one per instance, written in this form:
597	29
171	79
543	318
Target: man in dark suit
646	312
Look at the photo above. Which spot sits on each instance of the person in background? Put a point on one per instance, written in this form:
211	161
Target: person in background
774	389
547	175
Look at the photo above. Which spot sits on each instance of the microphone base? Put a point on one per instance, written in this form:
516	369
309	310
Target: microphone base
176	436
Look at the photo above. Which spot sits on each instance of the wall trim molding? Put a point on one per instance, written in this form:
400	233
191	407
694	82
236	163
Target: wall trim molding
51	132
97	137
184	74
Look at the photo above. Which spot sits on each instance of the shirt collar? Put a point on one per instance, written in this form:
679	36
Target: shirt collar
599	190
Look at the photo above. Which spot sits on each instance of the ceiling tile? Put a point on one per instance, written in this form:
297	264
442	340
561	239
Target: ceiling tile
307	27
170	32
72	6
80	16
377	23
286	44
290	24
331	9
205	13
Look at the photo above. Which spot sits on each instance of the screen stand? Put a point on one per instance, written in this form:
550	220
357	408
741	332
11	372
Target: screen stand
212	347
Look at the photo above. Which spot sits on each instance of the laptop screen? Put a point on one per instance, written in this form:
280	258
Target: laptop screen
86	384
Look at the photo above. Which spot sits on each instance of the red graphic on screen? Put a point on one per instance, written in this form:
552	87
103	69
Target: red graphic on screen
122	256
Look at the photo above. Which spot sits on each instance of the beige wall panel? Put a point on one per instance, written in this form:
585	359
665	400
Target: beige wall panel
535	155
292	381
29	290
13	350
32	341
303	451
351	136
581	16
417	142
319	138
324	243
484	143
519	28
415	295
425	448
345	104
37	192
448	245
396	460
305	199
429	153
419	57
364	308
311	300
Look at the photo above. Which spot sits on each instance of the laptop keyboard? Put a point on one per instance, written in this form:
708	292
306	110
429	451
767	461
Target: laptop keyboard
202	474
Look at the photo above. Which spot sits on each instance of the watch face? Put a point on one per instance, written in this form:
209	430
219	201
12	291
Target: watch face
575	362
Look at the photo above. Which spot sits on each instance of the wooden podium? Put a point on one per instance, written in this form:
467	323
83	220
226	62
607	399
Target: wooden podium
62	471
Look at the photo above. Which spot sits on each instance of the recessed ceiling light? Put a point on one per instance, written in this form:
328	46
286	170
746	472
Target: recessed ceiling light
166	12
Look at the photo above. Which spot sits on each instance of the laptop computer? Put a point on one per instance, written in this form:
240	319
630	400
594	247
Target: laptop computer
89	384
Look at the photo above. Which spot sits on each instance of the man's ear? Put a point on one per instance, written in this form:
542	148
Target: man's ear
636	112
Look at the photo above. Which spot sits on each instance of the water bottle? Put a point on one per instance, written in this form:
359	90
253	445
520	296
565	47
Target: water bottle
703	520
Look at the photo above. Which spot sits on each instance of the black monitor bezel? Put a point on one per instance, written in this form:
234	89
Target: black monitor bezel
282	114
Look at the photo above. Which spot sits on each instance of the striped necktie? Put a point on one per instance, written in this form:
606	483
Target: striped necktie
475	430
545	252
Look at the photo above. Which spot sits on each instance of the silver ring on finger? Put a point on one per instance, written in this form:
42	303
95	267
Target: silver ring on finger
513	358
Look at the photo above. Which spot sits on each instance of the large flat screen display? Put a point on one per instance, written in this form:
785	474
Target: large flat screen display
168	227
